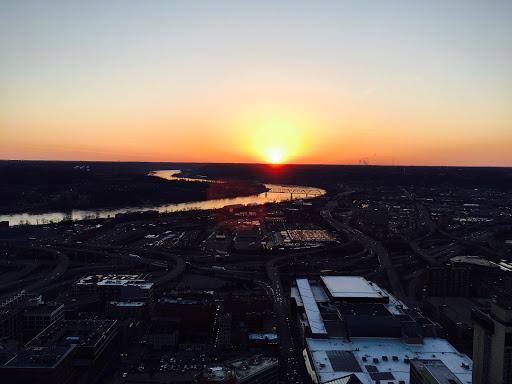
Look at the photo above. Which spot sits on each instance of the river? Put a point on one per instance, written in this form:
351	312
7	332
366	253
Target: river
276	193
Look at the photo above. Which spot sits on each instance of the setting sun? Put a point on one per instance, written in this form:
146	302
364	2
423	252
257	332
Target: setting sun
275	155
274	136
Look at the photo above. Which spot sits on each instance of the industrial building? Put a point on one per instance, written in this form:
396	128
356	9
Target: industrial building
354	331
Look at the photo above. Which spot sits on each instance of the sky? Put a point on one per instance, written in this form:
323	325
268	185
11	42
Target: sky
314	82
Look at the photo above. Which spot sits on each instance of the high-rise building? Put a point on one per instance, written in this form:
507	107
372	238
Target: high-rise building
11	317
492	344
223	338
449	281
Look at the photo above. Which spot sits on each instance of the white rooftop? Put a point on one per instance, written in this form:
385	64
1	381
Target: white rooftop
319	294
351	286
262	336
312	312
295	294
395	350
127	303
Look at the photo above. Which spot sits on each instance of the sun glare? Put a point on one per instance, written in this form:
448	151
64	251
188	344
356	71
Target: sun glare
274	137
275	156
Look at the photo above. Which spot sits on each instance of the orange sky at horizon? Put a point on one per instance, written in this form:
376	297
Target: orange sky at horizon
293	82
248	135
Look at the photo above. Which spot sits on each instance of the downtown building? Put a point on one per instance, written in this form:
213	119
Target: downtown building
119	295
492	343
353	331
68	351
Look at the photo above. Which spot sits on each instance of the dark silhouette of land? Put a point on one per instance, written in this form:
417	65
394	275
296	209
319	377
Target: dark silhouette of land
38	186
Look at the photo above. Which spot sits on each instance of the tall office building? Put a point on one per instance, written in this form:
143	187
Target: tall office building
492	344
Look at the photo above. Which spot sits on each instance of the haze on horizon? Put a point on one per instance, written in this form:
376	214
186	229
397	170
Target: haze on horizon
317	82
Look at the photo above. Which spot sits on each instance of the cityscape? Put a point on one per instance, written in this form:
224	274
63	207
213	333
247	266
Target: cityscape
255	192
374	274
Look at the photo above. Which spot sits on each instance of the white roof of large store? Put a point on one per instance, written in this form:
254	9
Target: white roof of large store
395	350
312	312
351	286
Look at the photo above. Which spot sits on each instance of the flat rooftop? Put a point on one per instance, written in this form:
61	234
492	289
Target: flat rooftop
352	287
385	359
127	303
458	309
263	336
95	279
166	300
314	235
79	332
219	372
437	369
252	366
43	309
138	283
315	320
39	357
113	280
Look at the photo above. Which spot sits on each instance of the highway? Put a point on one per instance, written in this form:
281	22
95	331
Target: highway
371	244
62	264
176	268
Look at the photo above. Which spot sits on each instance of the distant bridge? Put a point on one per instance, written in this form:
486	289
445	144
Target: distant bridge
304	191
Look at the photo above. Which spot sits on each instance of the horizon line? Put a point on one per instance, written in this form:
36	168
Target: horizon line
264	164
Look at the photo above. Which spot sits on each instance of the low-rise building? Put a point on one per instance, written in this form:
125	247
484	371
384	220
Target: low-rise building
95	345
11	316
44	365
39	315
255	370
116	288
162	337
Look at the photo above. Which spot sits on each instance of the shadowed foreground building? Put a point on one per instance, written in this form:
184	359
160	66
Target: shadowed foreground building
39	315
11	316
42	365
492	345
69	351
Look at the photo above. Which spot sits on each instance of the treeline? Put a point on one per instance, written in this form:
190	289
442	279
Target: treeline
325	176
44	186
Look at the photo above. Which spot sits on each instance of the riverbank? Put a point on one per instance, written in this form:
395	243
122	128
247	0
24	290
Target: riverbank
41	187
219	194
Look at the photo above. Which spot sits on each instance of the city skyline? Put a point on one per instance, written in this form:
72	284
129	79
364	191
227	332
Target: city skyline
288	82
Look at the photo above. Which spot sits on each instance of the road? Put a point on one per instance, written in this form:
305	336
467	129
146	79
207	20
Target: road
62	264
294	370
370	244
